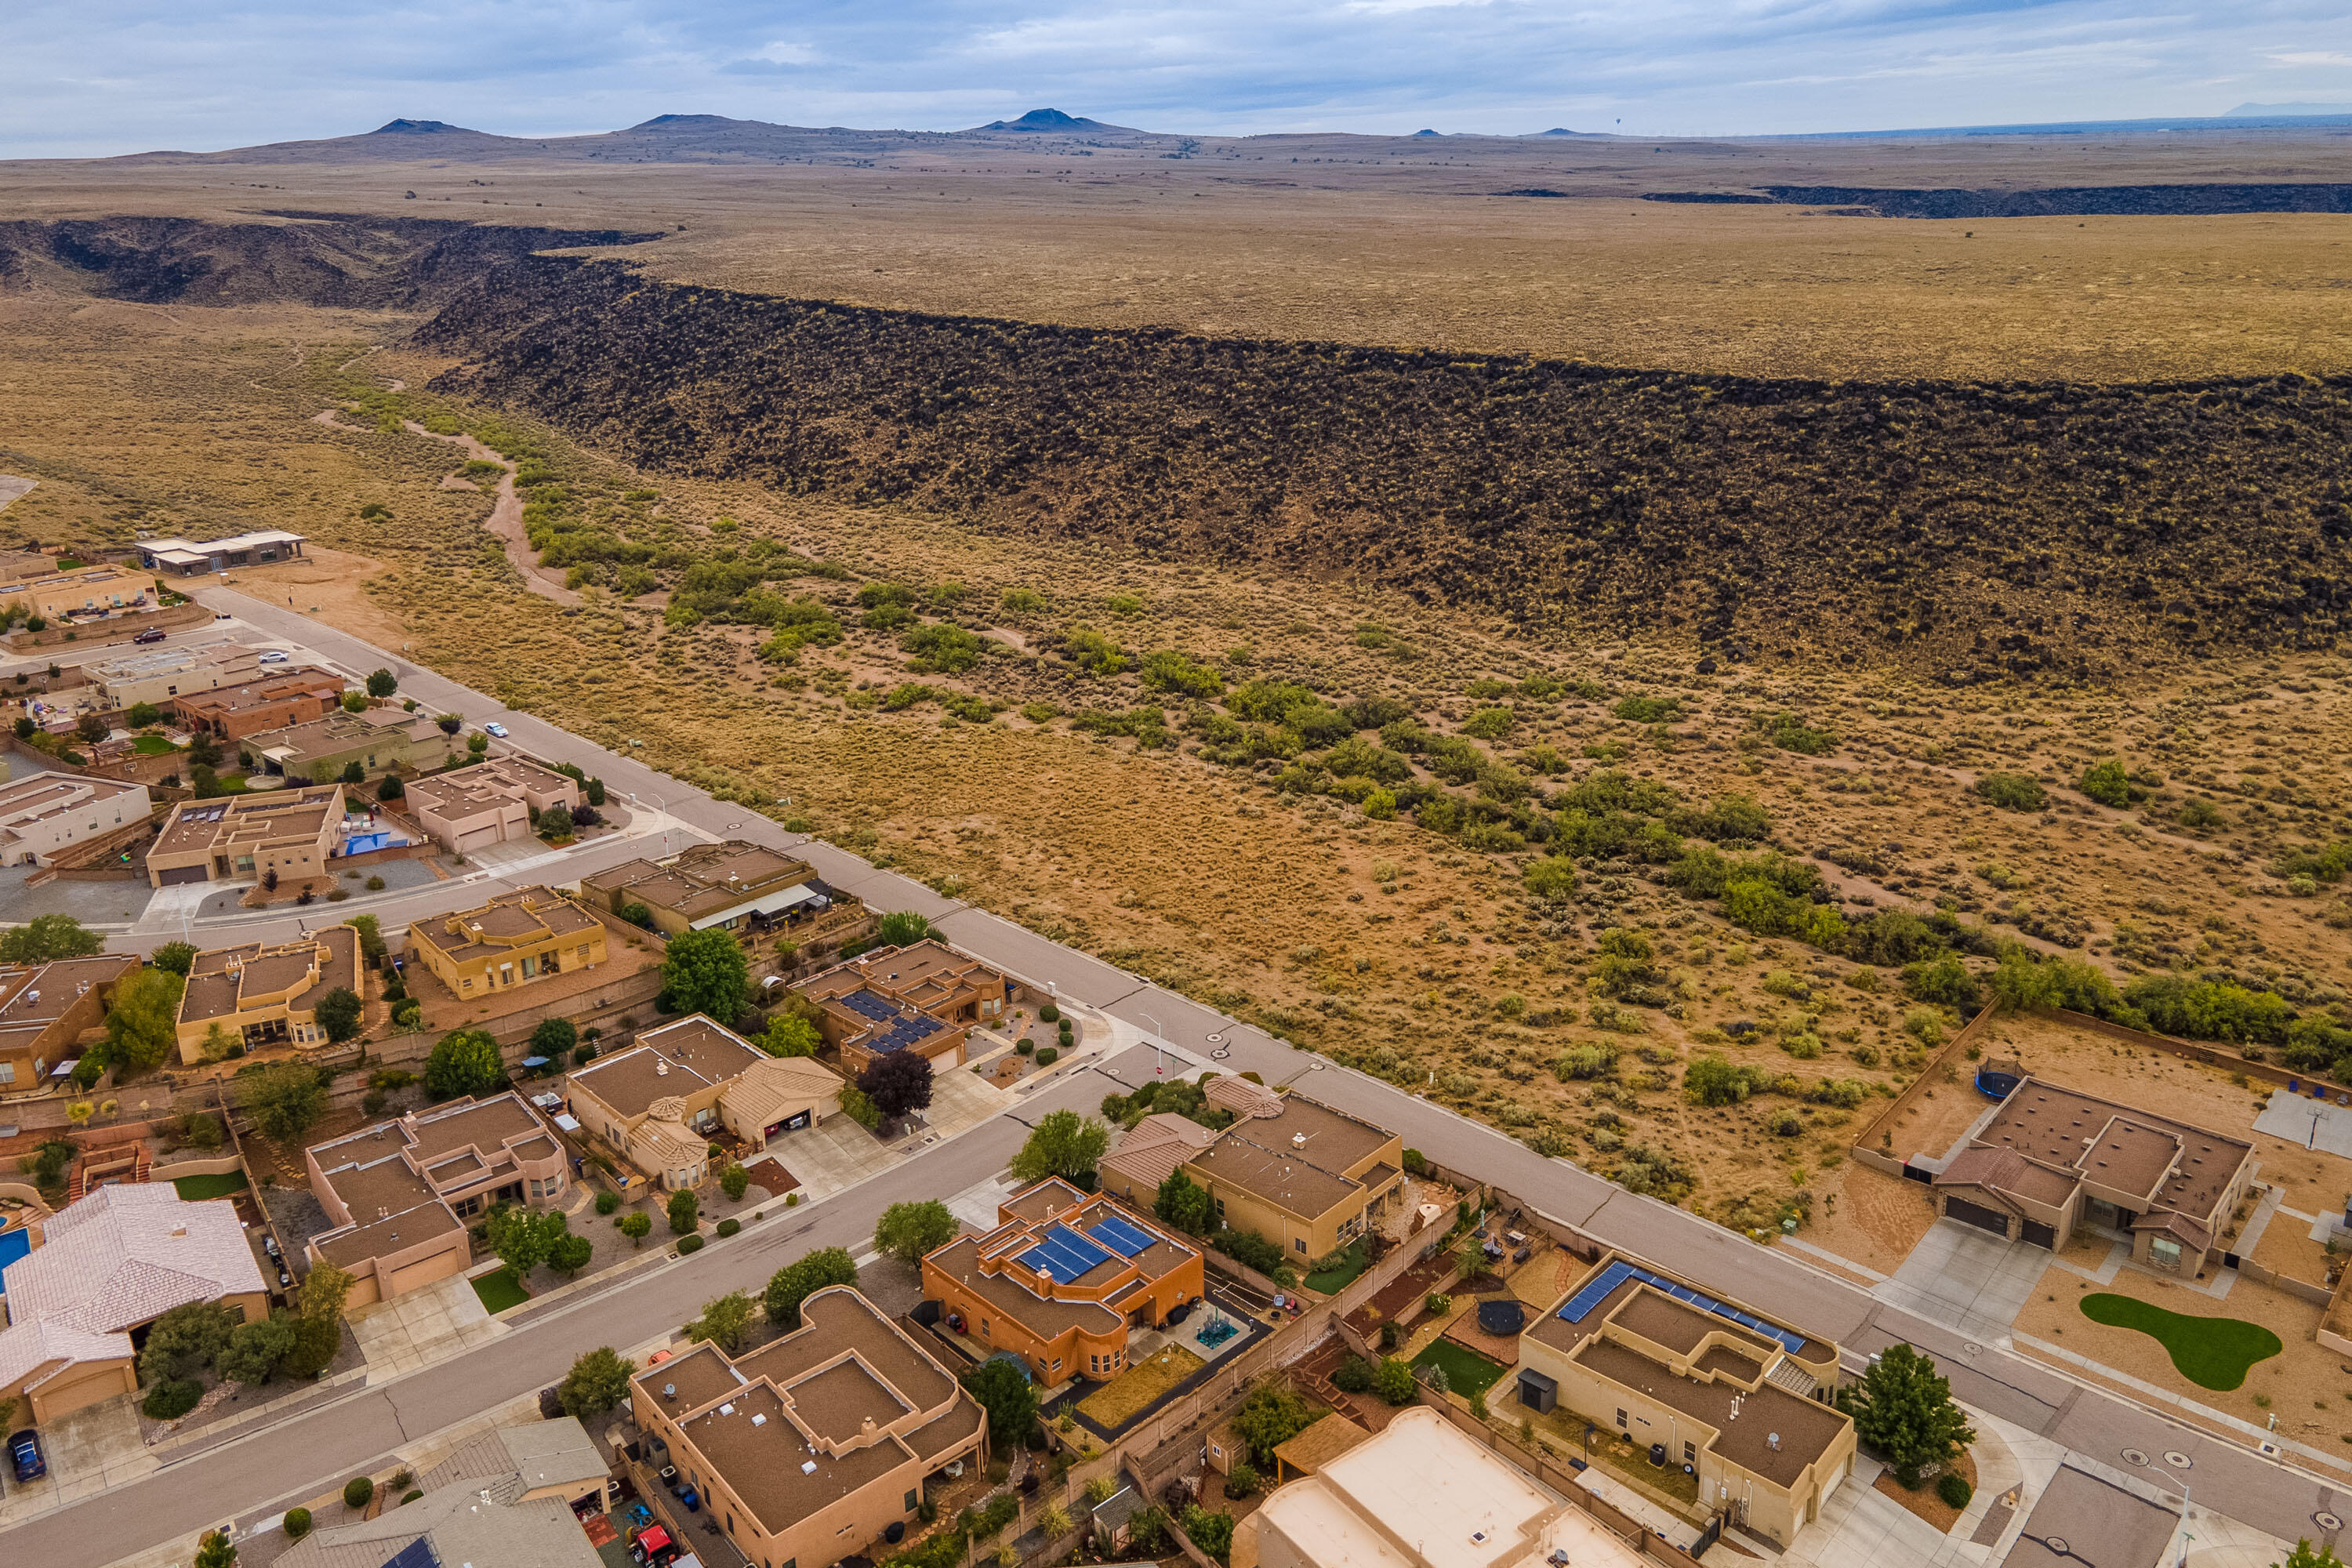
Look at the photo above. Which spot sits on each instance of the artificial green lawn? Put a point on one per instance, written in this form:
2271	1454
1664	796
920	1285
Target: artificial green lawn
500	1291
197	1189
152	745
2211	1353
1466	1372
1354	1257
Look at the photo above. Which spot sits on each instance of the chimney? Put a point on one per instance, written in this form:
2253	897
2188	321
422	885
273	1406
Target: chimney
180	1229
866	1427
1298	1140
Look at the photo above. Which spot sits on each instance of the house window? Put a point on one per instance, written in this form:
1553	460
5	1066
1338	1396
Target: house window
909	1507
1299	1242
1620	1420
529	967
469	983
2164	1252
7	1072
1690	1452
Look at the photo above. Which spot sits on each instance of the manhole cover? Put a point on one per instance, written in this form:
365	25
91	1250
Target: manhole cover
2178	1460
1972	1349
2135	1456
2056	1543
2326	1520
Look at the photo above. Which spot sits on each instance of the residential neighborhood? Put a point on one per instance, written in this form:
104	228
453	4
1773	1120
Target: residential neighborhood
864	1234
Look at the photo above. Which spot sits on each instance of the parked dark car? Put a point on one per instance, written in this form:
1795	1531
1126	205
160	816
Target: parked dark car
153	634
25	1448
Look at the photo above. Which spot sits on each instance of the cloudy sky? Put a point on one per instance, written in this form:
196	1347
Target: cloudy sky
96	77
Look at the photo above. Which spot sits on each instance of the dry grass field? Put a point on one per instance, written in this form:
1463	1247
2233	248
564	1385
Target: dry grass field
1407	243
1183	844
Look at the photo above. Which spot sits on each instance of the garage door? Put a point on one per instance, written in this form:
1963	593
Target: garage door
475	839
179	874
2041	1235
1977	1214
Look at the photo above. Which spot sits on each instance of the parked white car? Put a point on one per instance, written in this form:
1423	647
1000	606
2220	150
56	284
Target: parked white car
498	730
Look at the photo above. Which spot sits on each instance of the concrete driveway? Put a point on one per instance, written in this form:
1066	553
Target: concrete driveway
1969	1278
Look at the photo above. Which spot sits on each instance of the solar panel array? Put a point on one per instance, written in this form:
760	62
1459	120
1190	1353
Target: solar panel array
904	1029
1581	1304
1064	1255
418	1553
1122	1238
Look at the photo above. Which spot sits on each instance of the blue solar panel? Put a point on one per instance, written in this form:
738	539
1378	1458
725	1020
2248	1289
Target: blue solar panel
1122	1238
1064	1255
418	1553
1617	1273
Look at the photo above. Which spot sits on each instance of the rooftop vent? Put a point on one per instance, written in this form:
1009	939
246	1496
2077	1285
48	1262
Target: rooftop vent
1298	1140
808	1467
758	1419
727	1410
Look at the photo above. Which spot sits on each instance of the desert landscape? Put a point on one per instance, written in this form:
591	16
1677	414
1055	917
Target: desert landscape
1044	517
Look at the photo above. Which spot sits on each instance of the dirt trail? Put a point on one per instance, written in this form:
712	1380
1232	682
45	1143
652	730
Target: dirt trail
506	514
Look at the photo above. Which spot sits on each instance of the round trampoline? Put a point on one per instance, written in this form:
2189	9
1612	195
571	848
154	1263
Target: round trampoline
1503	1318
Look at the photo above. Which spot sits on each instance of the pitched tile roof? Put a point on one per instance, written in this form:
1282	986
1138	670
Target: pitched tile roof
126	1254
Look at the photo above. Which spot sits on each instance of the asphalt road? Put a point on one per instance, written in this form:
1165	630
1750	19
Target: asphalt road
295	1460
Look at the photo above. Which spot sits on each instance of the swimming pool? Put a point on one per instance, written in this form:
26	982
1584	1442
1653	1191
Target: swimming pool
15	1244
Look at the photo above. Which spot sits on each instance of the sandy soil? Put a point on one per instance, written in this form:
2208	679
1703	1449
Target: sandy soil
1870	1217
2306	1385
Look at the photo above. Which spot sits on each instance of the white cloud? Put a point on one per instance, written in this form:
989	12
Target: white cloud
2313	58
785	52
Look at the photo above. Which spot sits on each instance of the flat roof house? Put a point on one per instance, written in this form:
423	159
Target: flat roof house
260	993
239	837
400	1193
158	675
1306	1177
1422	1493
45	1011
75	591
108	1266
733	885
42	813
1062	1279
806	1449
867	1023
272	702
930	976
2052	1158
1739	1397
193	558
381	741
657	1103
489	803
532	933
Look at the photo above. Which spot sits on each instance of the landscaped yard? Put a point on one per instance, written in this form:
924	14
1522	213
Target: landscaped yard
197	1189
2211	1353
499	1290
1467	1372
152	745
1352	1260
1117	1402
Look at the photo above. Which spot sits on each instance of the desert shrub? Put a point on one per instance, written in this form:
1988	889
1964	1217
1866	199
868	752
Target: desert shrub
170	1401
1354	1375
357	1491
296	1523
2013	792
1946	981
2106	783
1584	1061
1953	1490
690	1244
607	1202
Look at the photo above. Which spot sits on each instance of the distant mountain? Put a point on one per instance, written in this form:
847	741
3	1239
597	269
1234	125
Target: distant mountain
421	128
1053	120
2286	110
1425	134
1563	131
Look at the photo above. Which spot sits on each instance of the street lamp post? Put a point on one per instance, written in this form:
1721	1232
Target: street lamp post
662	807
1159	1057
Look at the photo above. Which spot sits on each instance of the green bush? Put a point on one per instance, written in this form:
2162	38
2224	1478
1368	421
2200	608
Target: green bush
1025	1047
607	1202
2107	783
1048	1014
170	1401
357	1492
690	1244
2013	792
1355	1375
1954	1489
730	1227
296	1523
1048	1057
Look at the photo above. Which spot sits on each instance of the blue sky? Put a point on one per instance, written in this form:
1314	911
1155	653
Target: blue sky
118	76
